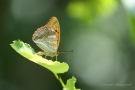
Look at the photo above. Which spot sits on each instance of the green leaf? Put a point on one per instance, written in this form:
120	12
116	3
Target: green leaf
28	52
70	85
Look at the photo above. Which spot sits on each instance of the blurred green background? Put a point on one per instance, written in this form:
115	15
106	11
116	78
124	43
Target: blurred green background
101	34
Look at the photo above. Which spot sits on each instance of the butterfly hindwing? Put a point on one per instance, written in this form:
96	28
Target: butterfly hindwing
48	37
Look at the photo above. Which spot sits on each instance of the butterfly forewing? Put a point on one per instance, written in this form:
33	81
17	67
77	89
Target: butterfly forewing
54	23
48	37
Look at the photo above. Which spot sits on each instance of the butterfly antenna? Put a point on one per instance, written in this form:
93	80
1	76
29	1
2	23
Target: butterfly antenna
65	51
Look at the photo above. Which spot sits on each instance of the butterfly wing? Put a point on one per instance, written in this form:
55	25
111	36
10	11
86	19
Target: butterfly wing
54	23
48	37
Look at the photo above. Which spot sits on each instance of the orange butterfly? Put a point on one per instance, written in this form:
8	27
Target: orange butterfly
48	38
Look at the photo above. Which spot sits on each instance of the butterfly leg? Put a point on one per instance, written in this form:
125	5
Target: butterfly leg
45	56
56	58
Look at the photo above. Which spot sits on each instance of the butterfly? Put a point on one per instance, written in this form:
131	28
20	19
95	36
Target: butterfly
47	38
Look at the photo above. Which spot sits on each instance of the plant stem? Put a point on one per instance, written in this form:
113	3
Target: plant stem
59	78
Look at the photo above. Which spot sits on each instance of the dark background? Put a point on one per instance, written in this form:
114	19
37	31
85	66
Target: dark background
101	33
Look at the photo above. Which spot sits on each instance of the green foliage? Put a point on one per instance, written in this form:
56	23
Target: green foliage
25	50
71	83
55	67
132	28
85	10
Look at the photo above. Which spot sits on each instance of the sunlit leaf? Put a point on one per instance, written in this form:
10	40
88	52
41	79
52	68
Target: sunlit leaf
70	85
28	52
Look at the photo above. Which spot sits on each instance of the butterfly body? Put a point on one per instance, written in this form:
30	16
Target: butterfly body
48	37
